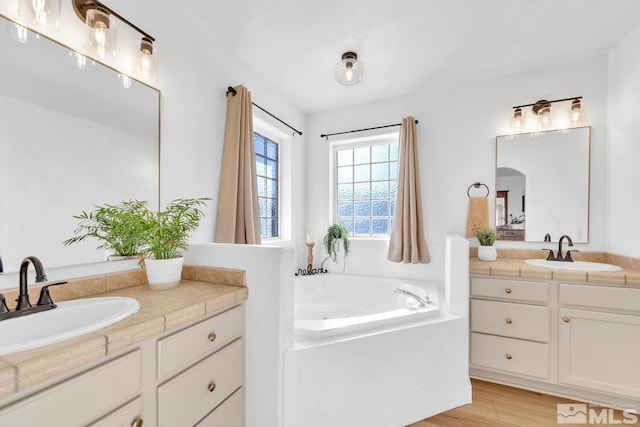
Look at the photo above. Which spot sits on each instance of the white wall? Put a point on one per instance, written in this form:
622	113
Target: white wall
623	173
456	138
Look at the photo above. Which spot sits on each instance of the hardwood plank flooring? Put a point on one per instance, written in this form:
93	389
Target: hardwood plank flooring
499	405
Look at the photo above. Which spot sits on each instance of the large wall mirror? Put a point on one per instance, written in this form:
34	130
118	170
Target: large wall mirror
74	134
542	185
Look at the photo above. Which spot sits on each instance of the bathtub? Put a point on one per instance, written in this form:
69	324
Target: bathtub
327	305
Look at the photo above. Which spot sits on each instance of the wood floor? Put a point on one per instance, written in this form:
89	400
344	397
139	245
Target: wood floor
498	405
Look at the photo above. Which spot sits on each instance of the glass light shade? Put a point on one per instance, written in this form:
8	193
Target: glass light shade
544	118
575	115
517	122
43	14
349	71
146	59
102	34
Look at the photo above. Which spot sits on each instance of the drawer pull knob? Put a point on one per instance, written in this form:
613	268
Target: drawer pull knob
137	422
211	387
509	357
508	321
508	290
212	337
566	320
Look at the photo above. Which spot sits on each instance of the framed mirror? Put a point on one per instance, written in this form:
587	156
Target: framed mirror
75	134
550	172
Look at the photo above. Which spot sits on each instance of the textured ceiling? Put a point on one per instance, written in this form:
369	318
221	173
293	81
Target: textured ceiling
293	45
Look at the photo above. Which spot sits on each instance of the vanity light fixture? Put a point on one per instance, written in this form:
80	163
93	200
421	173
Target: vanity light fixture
100	20
43	14
349	71
542	110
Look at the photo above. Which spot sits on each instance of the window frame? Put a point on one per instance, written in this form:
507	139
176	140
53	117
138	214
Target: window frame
352	143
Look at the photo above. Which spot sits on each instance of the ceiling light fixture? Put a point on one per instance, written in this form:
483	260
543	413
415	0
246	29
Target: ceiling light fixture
102	32
349	71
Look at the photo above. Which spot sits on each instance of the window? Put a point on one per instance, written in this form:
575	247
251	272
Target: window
268	185
366	187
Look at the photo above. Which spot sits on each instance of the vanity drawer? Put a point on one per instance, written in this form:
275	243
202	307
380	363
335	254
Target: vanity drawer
510	355
511	290
128	415
530	322
600	297
81	399
182	349
185	399
229	414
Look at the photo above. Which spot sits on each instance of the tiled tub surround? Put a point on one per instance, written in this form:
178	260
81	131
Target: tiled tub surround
203	291
568	333
390	376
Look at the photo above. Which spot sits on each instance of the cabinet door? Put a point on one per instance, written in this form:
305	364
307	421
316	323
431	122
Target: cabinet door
600	351
130	415
81	399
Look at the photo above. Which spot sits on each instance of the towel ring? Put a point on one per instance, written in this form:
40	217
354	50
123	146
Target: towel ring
477	185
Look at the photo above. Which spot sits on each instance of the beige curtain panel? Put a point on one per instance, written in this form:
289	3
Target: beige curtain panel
407	242
238	215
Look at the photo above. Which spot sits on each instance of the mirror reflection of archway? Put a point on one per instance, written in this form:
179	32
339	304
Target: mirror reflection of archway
510	203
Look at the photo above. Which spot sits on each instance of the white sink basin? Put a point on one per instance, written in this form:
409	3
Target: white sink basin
70	319
576	265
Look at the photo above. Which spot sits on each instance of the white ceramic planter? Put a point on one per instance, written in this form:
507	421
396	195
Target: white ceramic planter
163	273
487	253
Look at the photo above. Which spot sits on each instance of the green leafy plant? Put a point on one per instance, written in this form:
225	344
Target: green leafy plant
486	236
335	234
120	227
168	231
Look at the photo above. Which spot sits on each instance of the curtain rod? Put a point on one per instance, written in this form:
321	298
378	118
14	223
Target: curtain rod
327	135
234	92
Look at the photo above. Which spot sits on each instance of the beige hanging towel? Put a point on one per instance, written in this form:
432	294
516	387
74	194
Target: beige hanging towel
477	214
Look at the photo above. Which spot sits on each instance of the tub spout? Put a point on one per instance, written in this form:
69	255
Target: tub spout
422	302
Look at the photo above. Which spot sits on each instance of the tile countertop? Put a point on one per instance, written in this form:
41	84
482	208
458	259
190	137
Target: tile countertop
510	263
160	311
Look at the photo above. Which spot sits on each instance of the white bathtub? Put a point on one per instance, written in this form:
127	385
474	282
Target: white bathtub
327	305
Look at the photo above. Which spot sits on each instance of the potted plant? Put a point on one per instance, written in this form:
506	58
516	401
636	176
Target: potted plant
166	232
119	227
486	237
336	234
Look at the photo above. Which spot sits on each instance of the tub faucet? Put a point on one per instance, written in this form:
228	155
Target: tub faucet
568	257
422	302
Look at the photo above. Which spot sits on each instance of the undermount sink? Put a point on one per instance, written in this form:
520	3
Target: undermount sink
575	265
70	319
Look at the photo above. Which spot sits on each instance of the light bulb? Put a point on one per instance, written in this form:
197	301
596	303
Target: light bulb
101	33
44	14
576	113
517	122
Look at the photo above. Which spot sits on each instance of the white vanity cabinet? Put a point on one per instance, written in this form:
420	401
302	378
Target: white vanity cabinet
208	362
84	398
510	324
192	376
575	340
599	340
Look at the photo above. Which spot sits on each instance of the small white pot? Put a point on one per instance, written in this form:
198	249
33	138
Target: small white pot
163	273
487	253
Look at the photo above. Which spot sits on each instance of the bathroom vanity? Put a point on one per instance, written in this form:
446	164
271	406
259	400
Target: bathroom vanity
569	334
179	361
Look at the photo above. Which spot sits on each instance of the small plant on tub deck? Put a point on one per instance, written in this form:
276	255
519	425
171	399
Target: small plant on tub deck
486	236
336	233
